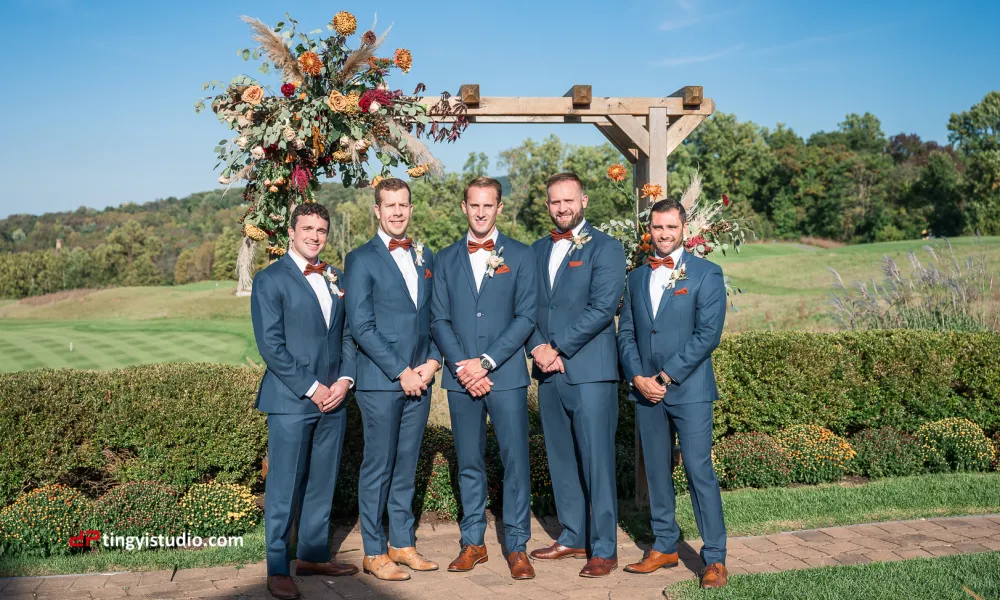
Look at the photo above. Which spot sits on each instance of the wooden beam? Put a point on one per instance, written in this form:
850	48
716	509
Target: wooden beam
693	95
547	106
469	93
532	119
631	128
580	94
680	129
658	148
618	140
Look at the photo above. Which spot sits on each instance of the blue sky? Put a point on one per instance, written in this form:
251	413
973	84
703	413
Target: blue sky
99	103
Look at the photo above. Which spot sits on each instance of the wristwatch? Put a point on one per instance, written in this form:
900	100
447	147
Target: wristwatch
552	345
486	364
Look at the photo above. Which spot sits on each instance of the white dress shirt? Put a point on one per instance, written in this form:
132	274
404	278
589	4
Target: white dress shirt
478	260
559	251
322	290
404	260
659	279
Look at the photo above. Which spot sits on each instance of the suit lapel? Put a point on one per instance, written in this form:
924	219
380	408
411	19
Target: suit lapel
644	275
390	263
466	266
295	274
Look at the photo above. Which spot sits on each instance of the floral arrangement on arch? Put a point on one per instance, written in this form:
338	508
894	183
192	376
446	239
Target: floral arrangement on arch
707	230
334	115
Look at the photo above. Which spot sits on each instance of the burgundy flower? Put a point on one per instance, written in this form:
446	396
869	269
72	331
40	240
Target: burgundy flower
287	90
725	200
300	178
383	97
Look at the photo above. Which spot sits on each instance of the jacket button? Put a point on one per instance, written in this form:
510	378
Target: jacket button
654	331
552	306
479	314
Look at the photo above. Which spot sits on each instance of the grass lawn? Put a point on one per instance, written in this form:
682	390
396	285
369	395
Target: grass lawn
772	510
146	560
938	578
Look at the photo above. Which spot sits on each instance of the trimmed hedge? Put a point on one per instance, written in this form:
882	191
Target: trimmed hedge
181	424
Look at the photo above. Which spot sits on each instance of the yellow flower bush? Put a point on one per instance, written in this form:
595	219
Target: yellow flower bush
816	453
41	522
218	509
955	444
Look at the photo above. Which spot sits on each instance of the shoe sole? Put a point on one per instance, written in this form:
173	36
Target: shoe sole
667	566
313	573
563	557
372	573
480	561
296	597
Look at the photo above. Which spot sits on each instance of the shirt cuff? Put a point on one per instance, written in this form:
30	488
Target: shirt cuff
493	363
350	381
312	389
537	347
400	376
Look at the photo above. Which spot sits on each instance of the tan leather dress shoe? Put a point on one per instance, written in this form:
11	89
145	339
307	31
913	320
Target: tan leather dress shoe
282	587
330	569
411	558
653	561
557	551
520	566
714	576
599	567
469	557
383	568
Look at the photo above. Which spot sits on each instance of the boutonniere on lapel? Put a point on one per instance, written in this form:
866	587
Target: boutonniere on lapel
579	240
678	274
495	263
418	249
334	282
428	274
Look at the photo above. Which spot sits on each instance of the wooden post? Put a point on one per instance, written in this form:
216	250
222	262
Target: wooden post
581	95
658	148
469	93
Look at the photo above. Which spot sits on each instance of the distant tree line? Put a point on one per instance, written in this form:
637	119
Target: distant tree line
853	185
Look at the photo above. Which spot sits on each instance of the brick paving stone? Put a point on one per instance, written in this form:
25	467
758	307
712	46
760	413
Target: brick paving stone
853	559
868	530
840	533
154	577
53	584
943	550
814	536
803	552
19	596
760	544
766	557
969	547
784	540
875	544
191	575
925	525
821	561
24	585
897	528
947	536
840	547
913	553
991	543
881	555
123	579
108	592
790	564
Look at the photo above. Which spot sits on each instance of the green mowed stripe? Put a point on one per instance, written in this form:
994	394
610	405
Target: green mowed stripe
48	346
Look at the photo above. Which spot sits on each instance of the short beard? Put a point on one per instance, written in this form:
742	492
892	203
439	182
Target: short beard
576	221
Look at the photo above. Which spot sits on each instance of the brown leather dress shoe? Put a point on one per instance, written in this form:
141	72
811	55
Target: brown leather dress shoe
520	566
599	567
653	561
557	551
282	587
470	556
714	576
330	569
411	558
383	568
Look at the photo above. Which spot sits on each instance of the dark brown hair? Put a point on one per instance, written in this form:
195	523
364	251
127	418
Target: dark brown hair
485	182
390	184
667	205
561	177
310	208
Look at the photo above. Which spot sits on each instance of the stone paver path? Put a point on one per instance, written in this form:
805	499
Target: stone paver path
555	580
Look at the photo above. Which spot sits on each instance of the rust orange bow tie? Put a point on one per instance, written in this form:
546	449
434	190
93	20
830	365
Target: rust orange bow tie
474	246
404	243
656	263
556	236
317	268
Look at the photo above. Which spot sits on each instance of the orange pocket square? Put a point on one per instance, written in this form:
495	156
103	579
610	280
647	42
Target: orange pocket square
427	274
502	269
681	292
575	263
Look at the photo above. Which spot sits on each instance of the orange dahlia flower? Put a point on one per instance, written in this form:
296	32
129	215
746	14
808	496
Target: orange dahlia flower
652	190
310	63
403	59
617	172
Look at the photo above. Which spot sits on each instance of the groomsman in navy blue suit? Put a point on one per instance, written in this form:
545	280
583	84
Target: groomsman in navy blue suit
671	321
484	311
580	275
389	311
298	321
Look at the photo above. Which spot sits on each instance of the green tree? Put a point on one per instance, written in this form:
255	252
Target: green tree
976	132
195	264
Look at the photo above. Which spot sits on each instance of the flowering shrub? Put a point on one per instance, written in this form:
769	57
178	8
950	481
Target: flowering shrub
957	444
137	508
680	478
996	451
215	509
817	454
887	452
42	521
440	495
751	460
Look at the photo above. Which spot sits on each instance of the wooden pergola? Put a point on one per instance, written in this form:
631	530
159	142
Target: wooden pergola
645	131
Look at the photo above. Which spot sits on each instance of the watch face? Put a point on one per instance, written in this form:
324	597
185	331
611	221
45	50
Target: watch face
484	363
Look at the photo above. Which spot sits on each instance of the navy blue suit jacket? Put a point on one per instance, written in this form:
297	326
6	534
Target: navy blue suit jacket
680	341
495	320
390	332
578	312
294	340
